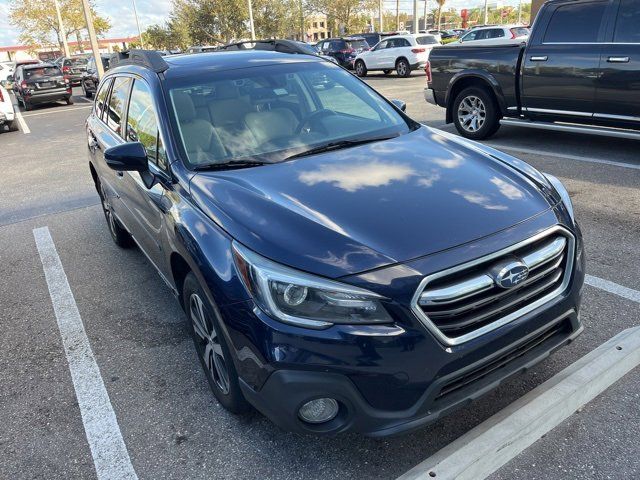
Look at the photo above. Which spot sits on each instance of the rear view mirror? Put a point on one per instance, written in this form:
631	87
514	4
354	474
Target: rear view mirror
400	105
127	157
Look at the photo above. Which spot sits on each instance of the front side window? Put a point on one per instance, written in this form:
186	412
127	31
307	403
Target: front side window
628	22
101	97
269	113
382	45
469	36
575	23
142	123
117	101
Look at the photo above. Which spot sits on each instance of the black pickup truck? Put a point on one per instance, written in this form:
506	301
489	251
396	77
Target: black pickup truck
579	71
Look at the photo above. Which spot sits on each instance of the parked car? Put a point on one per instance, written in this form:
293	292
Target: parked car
344	50
444	34
89	81
7	113
342	267
40	83
73	67
572	71
372	39
6	69
403	53
498	35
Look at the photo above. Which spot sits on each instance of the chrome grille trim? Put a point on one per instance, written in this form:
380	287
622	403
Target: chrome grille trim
538	263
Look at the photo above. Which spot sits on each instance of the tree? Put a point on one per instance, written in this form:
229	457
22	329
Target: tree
171	36
344	14
38	23
439	16
212	21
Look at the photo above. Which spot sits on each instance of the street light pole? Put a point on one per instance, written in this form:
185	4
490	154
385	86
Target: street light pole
63	33
253	32
92	37
520	12
486	12
415	16
380	17
426	2
135	12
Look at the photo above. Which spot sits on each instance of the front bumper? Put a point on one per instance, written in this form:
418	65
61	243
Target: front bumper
286	391
430	97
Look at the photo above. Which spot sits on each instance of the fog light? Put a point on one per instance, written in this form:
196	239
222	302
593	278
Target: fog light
320	410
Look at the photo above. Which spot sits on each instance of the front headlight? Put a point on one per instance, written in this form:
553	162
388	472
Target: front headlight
562	191
302	299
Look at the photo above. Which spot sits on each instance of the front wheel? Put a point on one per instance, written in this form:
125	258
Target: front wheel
475	113
119	235
69	101
211	346
361	69
403	69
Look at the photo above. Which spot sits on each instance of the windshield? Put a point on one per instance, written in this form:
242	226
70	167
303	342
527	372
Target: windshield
427	40
270	113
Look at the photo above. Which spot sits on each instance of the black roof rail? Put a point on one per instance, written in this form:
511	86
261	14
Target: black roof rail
278	45
150	59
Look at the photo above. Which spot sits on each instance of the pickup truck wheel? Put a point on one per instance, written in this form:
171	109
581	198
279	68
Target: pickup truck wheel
403	69
475	114
361	69
211	346
119	235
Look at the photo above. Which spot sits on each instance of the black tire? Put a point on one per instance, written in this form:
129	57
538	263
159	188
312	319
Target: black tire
86	93
69	101
27	106
360	68
211	347
13	126
482	119
387	71
120	236
403	69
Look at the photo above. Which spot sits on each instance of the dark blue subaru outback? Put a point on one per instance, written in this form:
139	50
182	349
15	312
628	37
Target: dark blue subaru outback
342	267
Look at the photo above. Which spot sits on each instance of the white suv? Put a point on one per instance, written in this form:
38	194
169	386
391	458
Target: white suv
402	53
496	35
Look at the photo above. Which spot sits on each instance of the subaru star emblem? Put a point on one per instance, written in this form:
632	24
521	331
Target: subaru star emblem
511	274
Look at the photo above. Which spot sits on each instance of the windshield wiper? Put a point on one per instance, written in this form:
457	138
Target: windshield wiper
238	163
327	147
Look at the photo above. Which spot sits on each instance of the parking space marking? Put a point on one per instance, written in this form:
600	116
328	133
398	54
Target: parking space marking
579	158
23	125
611	287
493	443
56	110
110	456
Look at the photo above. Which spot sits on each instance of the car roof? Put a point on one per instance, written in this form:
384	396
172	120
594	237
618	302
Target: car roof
183	64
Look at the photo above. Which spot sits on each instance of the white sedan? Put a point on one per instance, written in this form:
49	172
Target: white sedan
7	114
402	53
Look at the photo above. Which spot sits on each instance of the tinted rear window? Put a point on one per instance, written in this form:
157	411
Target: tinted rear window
427	40
357	44
575	23
41	72
628	22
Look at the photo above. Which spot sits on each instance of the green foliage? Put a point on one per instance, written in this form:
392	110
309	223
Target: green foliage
38	22
350	15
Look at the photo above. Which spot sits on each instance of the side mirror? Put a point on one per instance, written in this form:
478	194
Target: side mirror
400	105
127	157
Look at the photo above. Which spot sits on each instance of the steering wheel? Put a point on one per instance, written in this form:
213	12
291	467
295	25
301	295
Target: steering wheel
314	117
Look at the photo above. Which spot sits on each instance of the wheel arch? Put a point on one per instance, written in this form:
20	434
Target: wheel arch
180	268
473	79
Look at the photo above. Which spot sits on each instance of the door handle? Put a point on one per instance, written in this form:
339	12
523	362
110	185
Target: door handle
540	58
618	59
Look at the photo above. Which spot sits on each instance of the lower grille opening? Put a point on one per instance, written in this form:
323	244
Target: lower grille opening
562	328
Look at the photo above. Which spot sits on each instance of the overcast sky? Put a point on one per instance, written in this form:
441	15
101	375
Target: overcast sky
156	11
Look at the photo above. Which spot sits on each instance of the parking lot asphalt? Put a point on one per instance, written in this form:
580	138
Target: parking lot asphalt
171	424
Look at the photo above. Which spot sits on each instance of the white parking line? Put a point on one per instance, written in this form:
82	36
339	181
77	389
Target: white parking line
493	443
611	287
23	125
108	450
579	158
56	110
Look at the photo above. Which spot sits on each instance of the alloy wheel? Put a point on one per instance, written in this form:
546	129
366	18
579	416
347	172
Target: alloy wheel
472	113
208	344
402	69
108	212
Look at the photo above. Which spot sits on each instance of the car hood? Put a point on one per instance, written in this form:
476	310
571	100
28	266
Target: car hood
352	210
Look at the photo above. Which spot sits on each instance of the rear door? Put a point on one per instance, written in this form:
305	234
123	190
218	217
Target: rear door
562	61
618	91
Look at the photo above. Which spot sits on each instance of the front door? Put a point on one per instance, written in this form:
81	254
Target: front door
618	91
562	62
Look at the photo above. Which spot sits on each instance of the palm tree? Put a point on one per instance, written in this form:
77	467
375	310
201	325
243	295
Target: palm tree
440	6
